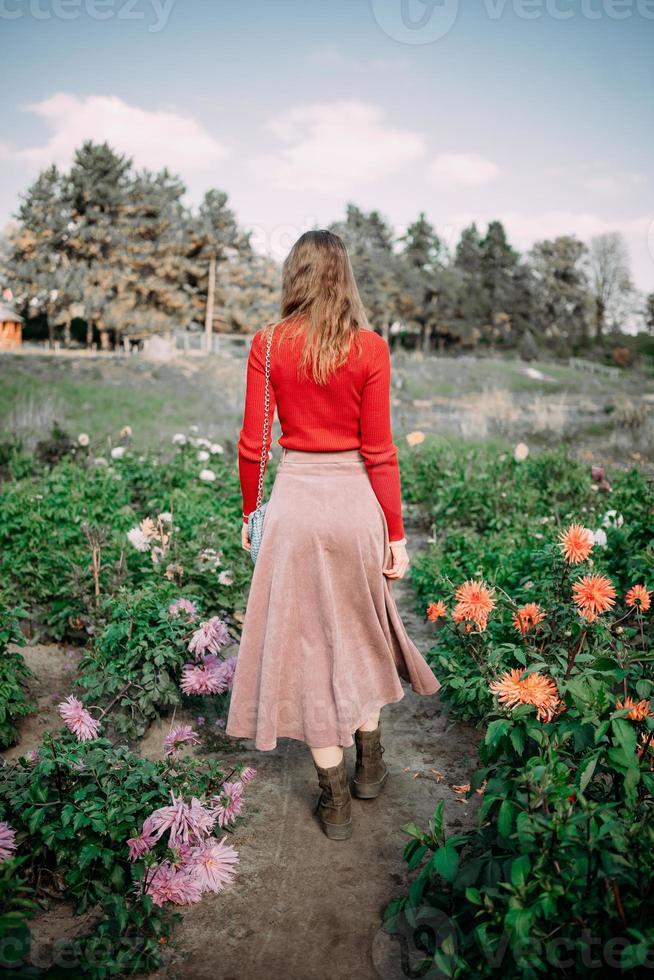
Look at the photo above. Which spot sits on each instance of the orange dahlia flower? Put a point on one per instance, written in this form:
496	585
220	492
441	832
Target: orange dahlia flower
577	543
593	594
537	689
646	746
436	610
639	710
638	597
459	616
474	601
528	617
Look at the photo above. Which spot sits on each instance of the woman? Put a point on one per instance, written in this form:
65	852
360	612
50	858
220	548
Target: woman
323	646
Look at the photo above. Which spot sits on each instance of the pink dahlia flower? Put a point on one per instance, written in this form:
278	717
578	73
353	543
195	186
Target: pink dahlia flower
7	840
213	864
209	638
78	720
187	822
183	607
138	846
207	677
228	804
169	884
175	738
228	671
248	774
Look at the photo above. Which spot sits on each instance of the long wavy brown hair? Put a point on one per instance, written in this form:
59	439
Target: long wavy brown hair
320	300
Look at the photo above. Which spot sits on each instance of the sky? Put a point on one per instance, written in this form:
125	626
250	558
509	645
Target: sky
535	112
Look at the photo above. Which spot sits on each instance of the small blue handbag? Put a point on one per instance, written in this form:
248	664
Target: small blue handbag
256	518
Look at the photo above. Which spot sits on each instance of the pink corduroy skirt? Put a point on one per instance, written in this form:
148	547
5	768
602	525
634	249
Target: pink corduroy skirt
323	646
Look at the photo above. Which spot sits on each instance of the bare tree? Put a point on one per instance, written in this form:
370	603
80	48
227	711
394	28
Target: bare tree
610	278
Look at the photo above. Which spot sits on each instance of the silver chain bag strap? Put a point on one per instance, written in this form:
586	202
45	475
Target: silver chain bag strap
255	519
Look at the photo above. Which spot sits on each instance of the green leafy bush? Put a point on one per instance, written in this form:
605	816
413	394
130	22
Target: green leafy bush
74	809
56	517
484	489
14	675
133	664
555	659
492	516
17	905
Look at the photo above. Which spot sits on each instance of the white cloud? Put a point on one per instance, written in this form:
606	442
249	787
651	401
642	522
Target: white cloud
462	170
335	147
614	184
155	139
329	56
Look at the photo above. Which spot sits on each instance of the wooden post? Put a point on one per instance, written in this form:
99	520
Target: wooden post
208	320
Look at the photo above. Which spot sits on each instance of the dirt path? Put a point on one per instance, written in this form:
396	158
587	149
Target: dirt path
304	907
53	668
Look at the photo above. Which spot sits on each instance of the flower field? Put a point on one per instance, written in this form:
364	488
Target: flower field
132	558
536	580
536	583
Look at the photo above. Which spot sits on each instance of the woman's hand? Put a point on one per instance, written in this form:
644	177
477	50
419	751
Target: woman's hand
245	538
399	560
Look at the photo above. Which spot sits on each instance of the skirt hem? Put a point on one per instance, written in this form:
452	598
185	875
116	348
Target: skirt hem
302	738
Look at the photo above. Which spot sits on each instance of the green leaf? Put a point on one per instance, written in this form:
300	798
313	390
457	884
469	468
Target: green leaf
413	830
520	869
518	738
505	818
474	896
624	734
496	730
436	822
419	852
586	771
446	862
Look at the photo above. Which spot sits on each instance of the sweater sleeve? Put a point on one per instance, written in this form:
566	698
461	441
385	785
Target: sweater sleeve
377	446
251	434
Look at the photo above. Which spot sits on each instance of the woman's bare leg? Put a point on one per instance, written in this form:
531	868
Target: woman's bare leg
327	758
371	724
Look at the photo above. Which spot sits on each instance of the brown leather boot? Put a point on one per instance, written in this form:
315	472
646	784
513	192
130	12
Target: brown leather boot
371	771
334	808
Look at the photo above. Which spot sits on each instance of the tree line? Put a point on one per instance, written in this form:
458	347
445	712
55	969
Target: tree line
116	250
562	294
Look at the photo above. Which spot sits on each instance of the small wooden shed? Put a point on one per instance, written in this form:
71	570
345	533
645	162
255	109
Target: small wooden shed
11	327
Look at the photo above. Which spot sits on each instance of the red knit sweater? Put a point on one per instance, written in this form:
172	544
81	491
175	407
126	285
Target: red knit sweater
352	411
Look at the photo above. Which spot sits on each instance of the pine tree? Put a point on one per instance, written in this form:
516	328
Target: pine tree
96	196
152	290
422	258
248	294
562	296
216	238
35	264
468	300
369	241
